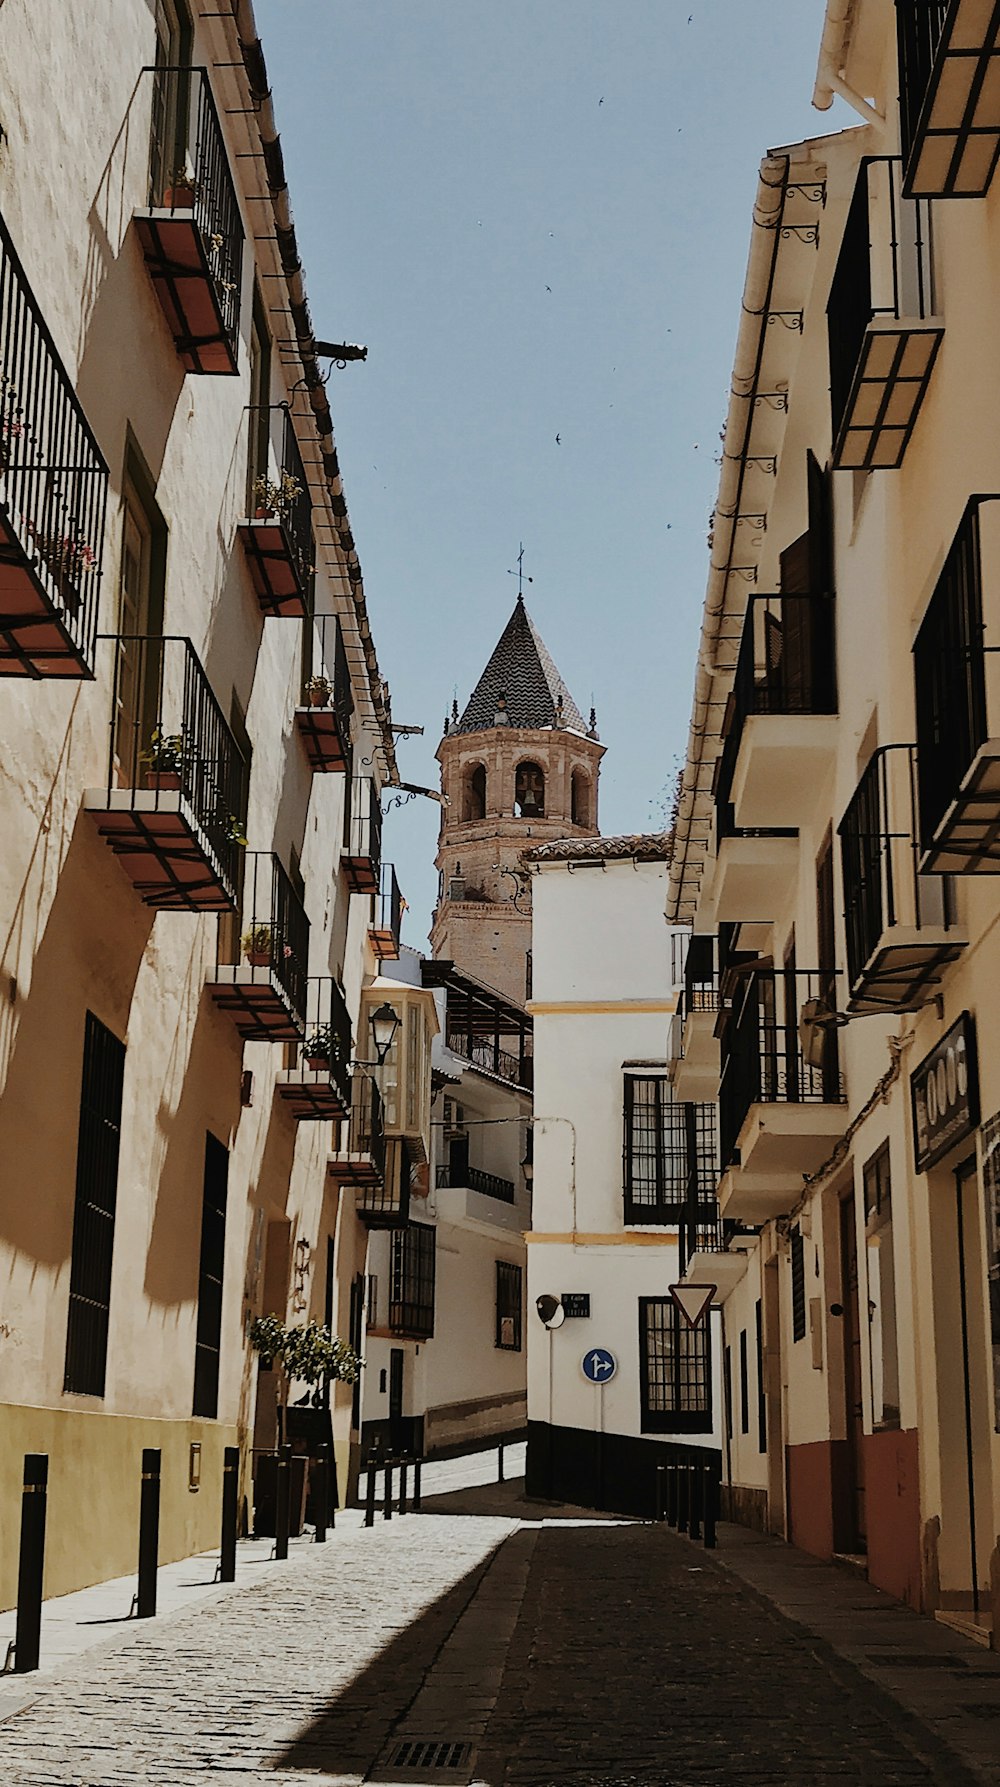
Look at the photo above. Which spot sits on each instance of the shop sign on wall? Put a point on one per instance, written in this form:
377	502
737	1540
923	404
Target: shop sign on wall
945	1093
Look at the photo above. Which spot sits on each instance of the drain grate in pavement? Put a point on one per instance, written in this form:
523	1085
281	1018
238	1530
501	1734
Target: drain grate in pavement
431	1753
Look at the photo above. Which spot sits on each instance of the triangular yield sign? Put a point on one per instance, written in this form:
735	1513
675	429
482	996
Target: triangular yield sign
693	1301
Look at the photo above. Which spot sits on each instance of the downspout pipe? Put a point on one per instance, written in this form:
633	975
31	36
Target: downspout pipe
830	76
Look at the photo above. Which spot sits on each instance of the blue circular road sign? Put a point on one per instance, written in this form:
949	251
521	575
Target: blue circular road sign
599	1366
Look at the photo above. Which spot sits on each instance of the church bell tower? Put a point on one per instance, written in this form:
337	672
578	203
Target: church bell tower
519	767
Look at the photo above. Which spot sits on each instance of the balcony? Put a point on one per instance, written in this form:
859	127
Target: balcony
479	1022
318	1087
53	491
883	328
362	836
323	720
754	867
385	928
277	535
191	235
487	1184
900	924
949	99
259	976
173	805
696	1069
359	1159
957	680
782	709
781	1112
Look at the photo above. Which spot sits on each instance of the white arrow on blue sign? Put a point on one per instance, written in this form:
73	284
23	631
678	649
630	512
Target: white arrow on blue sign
599	1366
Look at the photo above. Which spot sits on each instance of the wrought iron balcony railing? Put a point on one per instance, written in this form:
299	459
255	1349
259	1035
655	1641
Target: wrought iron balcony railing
899	923
191	233
363	835
173	807
388	919
471	1179
701	974
948	100
763	1060
787	658
487	1053
882	318
277	535
53	492
360	1155
319	1085
323	718
261	966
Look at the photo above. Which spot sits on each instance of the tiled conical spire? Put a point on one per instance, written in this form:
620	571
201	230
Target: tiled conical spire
523	674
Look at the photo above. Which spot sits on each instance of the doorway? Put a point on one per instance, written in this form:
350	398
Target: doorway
853	1536
977	1435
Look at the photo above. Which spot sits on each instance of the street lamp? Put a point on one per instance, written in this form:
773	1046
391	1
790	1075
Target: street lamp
384	1023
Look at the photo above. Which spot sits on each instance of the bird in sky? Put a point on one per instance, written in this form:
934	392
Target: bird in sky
548	288
558	440
601	100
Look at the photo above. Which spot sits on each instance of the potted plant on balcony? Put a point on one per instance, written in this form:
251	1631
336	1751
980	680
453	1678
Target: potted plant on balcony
164	759
258	945
181	189
273	497
68	557
318	1047
318	691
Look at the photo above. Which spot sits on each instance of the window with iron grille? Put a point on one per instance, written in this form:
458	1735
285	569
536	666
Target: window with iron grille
508	1329
744	1384
411	1286
761	1399
94	1209
210	1271
670	1153
675	1374
798	1286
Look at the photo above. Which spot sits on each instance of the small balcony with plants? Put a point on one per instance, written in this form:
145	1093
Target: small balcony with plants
190	231
956	669
359	1157
883	321
53	494
173	803
900	923
277	532
781	712
949	100
362	854
318	1085
782	1101
323	716
260	972
696	1068
384	931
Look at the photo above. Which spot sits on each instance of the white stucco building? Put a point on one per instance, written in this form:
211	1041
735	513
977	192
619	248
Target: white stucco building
623	1184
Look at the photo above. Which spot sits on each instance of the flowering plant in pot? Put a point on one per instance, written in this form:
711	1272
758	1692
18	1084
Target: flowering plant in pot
181	189
68	558
165	759
318	1048
275	497
258	943
318	691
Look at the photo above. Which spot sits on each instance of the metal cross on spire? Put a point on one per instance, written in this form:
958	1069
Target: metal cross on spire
519	573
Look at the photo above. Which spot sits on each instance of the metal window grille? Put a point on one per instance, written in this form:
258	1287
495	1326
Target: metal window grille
94	1210
949	668
761	1398
508	1310
210	1272
411	1281
744	1384
675	1375
920	27
877	1183
798	1253
372	1313
727	1389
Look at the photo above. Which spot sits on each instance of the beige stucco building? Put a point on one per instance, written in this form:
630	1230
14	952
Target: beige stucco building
835	850
193	734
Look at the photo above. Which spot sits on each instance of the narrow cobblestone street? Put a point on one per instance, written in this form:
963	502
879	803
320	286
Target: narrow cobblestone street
490	1640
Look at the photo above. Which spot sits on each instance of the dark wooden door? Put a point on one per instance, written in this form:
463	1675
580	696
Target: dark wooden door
396	1435
855	1536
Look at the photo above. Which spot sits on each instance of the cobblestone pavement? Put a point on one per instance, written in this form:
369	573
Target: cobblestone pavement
518	1651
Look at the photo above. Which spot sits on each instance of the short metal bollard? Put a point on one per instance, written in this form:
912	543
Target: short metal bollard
500	1475
282	1501
387	1504
230	1493
661	1493
403	1475
321	1490
31	1565
370	1486
683	1497
415	1504
149	1532
671	1507
696	1477
711	1507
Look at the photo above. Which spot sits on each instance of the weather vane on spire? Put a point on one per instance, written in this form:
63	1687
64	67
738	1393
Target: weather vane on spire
519	574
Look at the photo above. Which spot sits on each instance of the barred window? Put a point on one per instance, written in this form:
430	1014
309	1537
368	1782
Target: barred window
675	1370
670	1153
508	1313
798	1286
411	1287
94	1209
210	1270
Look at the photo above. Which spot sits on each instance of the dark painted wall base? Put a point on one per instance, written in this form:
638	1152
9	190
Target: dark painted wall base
614	1472
744	1507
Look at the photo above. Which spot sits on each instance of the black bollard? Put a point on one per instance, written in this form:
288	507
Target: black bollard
695	1493
500	1475
370	1485
683	1498
34	1498
661	1492
321	1491
282	1501
415	1504
230	1487
711	1507
403	1473
671	1509
387	1503
149	1532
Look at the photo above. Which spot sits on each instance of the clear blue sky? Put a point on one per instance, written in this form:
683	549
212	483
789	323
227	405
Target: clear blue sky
449	161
